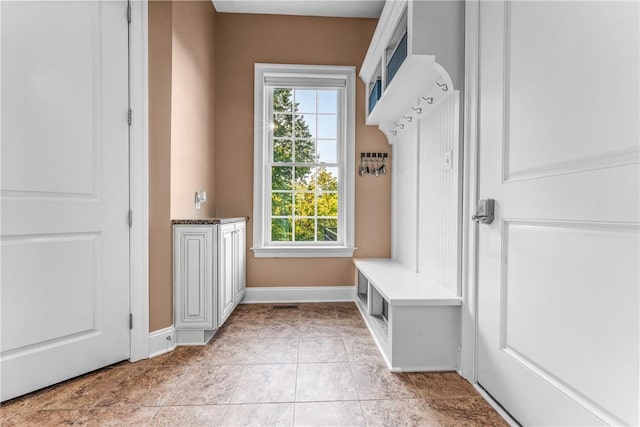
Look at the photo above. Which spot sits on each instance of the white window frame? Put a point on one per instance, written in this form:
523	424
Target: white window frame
262	247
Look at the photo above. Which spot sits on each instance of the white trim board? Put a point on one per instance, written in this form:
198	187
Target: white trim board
468	356
139	182
299	294
162	341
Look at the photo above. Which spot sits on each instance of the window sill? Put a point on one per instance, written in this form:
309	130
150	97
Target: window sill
304	252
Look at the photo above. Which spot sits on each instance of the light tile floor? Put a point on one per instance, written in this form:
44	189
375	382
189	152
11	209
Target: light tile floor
314	366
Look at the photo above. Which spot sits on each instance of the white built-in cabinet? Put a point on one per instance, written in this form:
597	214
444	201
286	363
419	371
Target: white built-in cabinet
415	58
414	321
414	73
231	268
209	279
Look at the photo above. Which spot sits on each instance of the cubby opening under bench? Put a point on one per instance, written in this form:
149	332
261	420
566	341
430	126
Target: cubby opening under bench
414	322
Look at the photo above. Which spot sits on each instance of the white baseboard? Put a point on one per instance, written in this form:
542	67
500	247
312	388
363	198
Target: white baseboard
162	341
299	294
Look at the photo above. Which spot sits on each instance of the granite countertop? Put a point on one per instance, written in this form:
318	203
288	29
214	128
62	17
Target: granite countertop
208	221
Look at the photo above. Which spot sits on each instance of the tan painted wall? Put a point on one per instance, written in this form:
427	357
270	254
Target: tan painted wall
241	41
160	243
192	108
181	134
201	132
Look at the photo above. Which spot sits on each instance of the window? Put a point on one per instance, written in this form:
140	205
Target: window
304	161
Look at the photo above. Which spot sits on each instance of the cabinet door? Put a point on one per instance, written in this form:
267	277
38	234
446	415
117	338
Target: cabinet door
226	294
193	278
240	264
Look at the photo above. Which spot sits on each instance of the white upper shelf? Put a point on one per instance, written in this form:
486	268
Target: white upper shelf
434	40
414	77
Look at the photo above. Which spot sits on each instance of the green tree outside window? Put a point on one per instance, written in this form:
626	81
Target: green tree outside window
304	199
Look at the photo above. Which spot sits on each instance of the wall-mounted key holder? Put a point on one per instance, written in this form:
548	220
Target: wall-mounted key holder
373	164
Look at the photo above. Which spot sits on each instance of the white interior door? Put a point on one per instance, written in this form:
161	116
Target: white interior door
558	271
65	191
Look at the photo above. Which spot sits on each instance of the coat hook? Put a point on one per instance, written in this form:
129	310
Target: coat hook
400	125
429	100
443	86
408	118
394	132
417	109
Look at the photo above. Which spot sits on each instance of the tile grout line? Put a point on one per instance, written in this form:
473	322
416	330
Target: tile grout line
161	402
235	389
295	385
150	420
355	384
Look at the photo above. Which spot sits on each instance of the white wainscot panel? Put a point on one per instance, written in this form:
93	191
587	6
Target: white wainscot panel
63	81
560	129
569	319
438	198
49	288
405	196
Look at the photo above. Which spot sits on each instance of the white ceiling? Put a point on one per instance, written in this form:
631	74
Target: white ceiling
338	8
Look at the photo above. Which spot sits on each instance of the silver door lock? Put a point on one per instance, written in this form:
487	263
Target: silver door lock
484	211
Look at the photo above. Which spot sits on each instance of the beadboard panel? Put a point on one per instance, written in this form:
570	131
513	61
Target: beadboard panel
404	197
438	218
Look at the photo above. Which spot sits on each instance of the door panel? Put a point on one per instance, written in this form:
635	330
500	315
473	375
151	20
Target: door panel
51	56
570	75
558	269
549	269
65	191
68	262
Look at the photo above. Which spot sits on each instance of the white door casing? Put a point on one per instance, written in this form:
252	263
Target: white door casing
139	179
65	191
558	271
